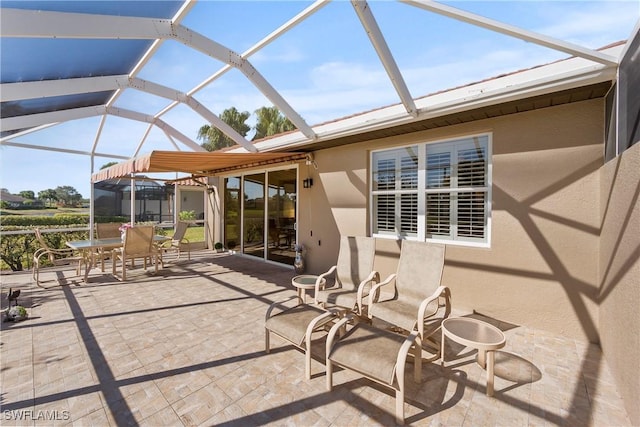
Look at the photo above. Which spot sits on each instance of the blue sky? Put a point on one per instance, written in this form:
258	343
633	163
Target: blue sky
325	68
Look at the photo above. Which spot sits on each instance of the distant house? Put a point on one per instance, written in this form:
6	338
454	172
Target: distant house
17	202
13	200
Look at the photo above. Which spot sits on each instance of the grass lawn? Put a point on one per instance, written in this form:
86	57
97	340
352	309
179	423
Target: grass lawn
195	234
44	212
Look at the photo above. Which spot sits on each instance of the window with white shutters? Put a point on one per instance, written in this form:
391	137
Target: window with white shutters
395	192
435	192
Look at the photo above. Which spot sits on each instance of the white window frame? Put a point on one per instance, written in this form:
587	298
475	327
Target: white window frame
422	192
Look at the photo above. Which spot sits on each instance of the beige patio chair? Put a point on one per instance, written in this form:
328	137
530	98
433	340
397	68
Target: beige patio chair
56	257
377	354
420	302
177	242
106	230
353	273
297	325
138	243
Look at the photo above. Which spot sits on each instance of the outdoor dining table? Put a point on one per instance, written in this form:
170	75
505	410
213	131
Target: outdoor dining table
87	248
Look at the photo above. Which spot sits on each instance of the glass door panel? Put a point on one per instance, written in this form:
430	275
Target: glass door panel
281	212
232	212
253	215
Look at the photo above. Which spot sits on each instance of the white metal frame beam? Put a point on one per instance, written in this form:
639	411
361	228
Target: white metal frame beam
379	43
48	88
63	150
310	10
61	87
31	120
44	24
510	30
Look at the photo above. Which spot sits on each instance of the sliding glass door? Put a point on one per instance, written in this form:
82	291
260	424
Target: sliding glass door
281	215
260	214
253	215
232	213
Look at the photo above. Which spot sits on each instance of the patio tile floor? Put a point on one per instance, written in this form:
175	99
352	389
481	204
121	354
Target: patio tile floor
186	347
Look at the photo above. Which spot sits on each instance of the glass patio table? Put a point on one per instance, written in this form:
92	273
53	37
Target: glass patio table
476	334
87	249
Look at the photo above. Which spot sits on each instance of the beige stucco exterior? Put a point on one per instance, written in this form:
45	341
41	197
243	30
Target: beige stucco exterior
563	255
541	268
619	274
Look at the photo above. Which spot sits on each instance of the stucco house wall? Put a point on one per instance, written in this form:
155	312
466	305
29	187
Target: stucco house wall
619	274
564	254
542	267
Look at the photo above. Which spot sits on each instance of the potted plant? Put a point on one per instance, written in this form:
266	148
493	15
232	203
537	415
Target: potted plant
123	230
218	246
16	313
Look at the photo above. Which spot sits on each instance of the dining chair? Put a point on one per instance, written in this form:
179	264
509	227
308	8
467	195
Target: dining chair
178	241
106	230
138	243
55	257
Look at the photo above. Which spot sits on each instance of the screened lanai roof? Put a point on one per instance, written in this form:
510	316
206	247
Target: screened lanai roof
107	64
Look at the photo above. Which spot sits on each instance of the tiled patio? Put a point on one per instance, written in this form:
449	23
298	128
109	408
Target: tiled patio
186	347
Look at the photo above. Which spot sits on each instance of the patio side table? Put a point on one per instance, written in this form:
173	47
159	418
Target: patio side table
476	334
306	282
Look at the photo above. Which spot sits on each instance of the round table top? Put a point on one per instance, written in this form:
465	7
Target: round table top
306	281
473	333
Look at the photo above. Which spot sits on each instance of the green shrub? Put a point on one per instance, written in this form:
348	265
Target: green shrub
16	250
187	215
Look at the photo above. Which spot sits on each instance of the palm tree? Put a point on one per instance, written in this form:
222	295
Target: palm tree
213	137
107	165
271	122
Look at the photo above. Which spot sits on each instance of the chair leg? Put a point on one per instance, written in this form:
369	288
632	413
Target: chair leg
36	272
417	360
267	344
329	375
400	407
307	363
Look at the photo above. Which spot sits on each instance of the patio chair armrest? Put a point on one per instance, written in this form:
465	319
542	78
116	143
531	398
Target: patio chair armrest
319	280
281	305
442	291
62	252
331	337
52	253
402	357
375	290
313	325
39	252
373	277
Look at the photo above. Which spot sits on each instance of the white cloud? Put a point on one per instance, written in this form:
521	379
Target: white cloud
346	75
286	54
592	24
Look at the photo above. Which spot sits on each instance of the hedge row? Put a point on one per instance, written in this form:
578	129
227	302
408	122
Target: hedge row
29	221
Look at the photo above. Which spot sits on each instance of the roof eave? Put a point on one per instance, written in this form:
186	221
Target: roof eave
561	75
